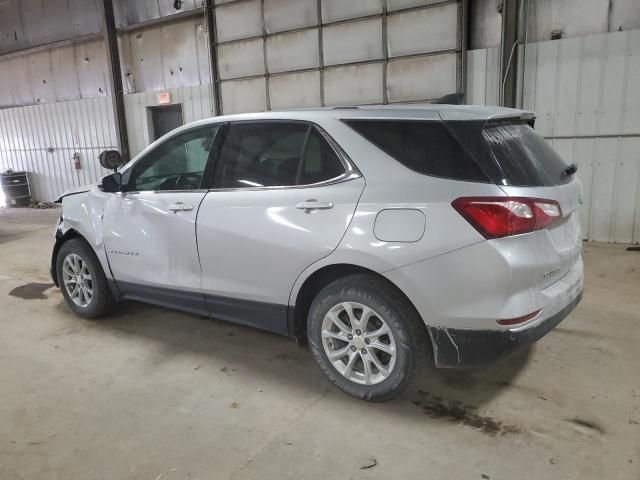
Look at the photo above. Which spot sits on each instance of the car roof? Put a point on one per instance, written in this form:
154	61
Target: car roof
399	111
416	111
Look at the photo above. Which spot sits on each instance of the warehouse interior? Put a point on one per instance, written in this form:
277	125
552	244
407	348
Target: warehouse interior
152	393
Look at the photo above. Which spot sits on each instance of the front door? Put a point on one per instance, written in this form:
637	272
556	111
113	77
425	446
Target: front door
283	199
150	230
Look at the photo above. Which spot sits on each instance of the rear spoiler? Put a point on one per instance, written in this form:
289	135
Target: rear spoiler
526	117
449	99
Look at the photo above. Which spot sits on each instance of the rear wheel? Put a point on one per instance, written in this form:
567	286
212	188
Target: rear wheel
366	337
82	280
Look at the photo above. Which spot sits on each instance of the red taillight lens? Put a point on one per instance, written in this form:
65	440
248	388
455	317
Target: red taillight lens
496	217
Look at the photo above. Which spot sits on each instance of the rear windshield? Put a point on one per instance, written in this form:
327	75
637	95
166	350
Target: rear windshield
524	157
424	146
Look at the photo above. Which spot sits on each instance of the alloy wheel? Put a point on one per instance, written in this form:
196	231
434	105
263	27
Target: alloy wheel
77	279
358	343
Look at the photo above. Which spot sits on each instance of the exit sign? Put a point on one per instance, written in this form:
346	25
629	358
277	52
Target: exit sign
164	98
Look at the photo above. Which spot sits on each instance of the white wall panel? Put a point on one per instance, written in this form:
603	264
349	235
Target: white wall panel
292	51
41	77
239	96
241	59
64	72
358	84
92	72
423	31
333	10
146	59
280	15
418	78
239	20
20	81
352	41
179	57
295	90
631	114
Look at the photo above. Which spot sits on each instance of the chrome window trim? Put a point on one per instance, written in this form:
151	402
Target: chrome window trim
138	192
345	177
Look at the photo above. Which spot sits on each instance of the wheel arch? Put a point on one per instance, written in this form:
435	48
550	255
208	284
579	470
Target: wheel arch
316	281
61	238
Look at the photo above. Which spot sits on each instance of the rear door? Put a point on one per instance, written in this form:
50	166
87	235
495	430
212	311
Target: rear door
284	196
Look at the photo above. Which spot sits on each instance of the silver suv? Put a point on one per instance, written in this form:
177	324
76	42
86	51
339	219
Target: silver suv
379	235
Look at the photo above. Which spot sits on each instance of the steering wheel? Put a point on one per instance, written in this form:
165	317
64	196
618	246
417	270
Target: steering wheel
184	181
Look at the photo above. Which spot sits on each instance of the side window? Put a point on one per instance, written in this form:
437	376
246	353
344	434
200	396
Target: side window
274	154
320	162
177	164
262	154
424	146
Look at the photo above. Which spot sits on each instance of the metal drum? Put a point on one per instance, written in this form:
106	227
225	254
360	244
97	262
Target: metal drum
16	188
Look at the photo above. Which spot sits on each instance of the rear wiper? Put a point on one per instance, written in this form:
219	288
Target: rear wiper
570	170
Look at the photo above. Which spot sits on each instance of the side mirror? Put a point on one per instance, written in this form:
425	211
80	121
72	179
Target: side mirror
111	159
111	183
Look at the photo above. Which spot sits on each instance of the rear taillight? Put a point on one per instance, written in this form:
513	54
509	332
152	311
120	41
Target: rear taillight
496	217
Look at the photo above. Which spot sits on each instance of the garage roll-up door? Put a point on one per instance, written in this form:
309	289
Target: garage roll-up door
275	54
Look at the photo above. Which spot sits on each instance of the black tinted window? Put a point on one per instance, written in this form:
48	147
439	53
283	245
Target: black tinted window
320	162
524	157
262	154
424	146
177	164
276	154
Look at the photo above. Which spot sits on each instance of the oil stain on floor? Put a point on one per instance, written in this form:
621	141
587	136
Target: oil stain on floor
31	291
456	412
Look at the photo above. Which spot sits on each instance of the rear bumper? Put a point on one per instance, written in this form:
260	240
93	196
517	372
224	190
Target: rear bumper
465	348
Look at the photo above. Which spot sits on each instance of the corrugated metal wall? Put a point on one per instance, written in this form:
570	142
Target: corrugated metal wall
277	54
42	139
586	96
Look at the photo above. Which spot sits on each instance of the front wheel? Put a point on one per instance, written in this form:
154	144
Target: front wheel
366	337
82	280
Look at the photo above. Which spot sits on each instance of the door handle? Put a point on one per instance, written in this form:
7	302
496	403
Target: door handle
313	204
180	207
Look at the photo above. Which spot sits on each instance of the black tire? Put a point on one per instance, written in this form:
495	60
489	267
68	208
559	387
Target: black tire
411	340
102	301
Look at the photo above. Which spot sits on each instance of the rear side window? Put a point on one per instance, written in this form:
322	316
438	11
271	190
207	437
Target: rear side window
320	162
276	154
424	146
524	157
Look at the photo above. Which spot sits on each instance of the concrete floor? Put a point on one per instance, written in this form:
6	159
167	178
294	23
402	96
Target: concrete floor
153	394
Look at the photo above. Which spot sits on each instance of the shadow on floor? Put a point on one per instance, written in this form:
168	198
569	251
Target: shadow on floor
449	395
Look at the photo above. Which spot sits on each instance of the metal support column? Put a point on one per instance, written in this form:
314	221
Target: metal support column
213	55
509	53
115	77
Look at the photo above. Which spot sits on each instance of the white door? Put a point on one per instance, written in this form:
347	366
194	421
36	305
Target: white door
150	229
283	199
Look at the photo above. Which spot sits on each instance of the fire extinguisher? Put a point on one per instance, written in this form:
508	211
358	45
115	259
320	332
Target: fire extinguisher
76	161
